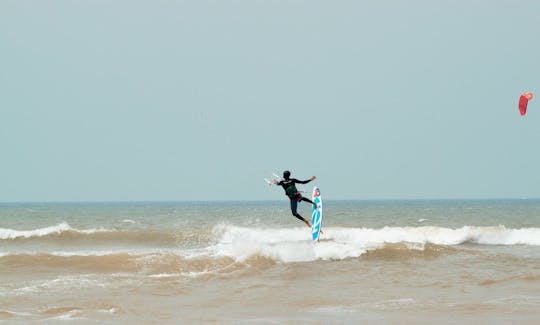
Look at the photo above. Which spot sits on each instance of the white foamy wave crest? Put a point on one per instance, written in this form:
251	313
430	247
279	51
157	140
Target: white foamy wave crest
499	235
294	244
287	245
41	232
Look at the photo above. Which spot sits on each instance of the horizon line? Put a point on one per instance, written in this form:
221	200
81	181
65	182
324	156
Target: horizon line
266	200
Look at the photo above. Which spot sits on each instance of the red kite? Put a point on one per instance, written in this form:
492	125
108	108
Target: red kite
523	101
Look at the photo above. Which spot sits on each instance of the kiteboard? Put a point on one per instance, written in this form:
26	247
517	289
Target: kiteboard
316	214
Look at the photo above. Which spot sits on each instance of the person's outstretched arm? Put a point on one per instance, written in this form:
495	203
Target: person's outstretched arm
306	181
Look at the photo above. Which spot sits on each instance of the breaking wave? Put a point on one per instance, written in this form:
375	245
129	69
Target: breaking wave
227	245
290	245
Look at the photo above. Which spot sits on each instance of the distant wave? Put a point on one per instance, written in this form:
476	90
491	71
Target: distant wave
63	233
41	232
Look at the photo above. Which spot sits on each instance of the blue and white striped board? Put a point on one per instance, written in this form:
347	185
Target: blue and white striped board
316	214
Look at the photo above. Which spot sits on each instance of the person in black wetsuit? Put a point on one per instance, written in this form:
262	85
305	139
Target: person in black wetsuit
294	195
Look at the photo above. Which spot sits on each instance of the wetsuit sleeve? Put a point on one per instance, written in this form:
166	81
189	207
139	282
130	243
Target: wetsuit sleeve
301	182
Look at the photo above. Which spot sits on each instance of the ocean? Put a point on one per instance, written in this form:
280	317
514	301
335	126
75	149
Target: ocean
378	262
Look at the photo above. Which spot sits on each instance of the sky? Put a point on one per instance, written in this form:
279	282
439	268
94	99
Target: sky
201	100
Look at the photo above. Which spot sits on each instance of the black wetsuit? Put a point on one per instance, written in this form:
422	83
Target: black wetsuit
293	194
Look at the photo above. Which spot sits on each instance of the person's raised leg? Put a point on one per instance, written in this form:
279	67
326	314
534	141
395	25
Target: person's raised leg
294	206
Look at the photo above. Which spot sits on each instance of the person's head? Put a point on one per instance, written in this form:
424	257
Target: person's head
286	174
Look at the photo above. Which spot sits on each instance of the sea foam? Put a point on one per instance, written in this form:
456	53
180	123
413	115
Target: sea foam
294	244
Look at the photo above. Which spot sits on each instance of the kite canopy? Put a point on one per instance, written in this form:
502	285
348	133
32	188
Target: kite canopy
523	102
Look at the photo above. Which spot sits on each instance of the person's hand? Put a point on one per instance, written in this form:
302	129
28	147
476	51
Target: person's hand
313	177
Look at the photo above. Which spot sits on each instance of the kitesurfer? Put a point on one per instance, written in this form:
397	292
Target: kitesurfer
294	195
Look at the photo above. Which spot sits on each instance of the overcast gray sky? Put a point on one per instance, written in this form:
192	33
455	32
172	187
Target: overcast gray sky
200	100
